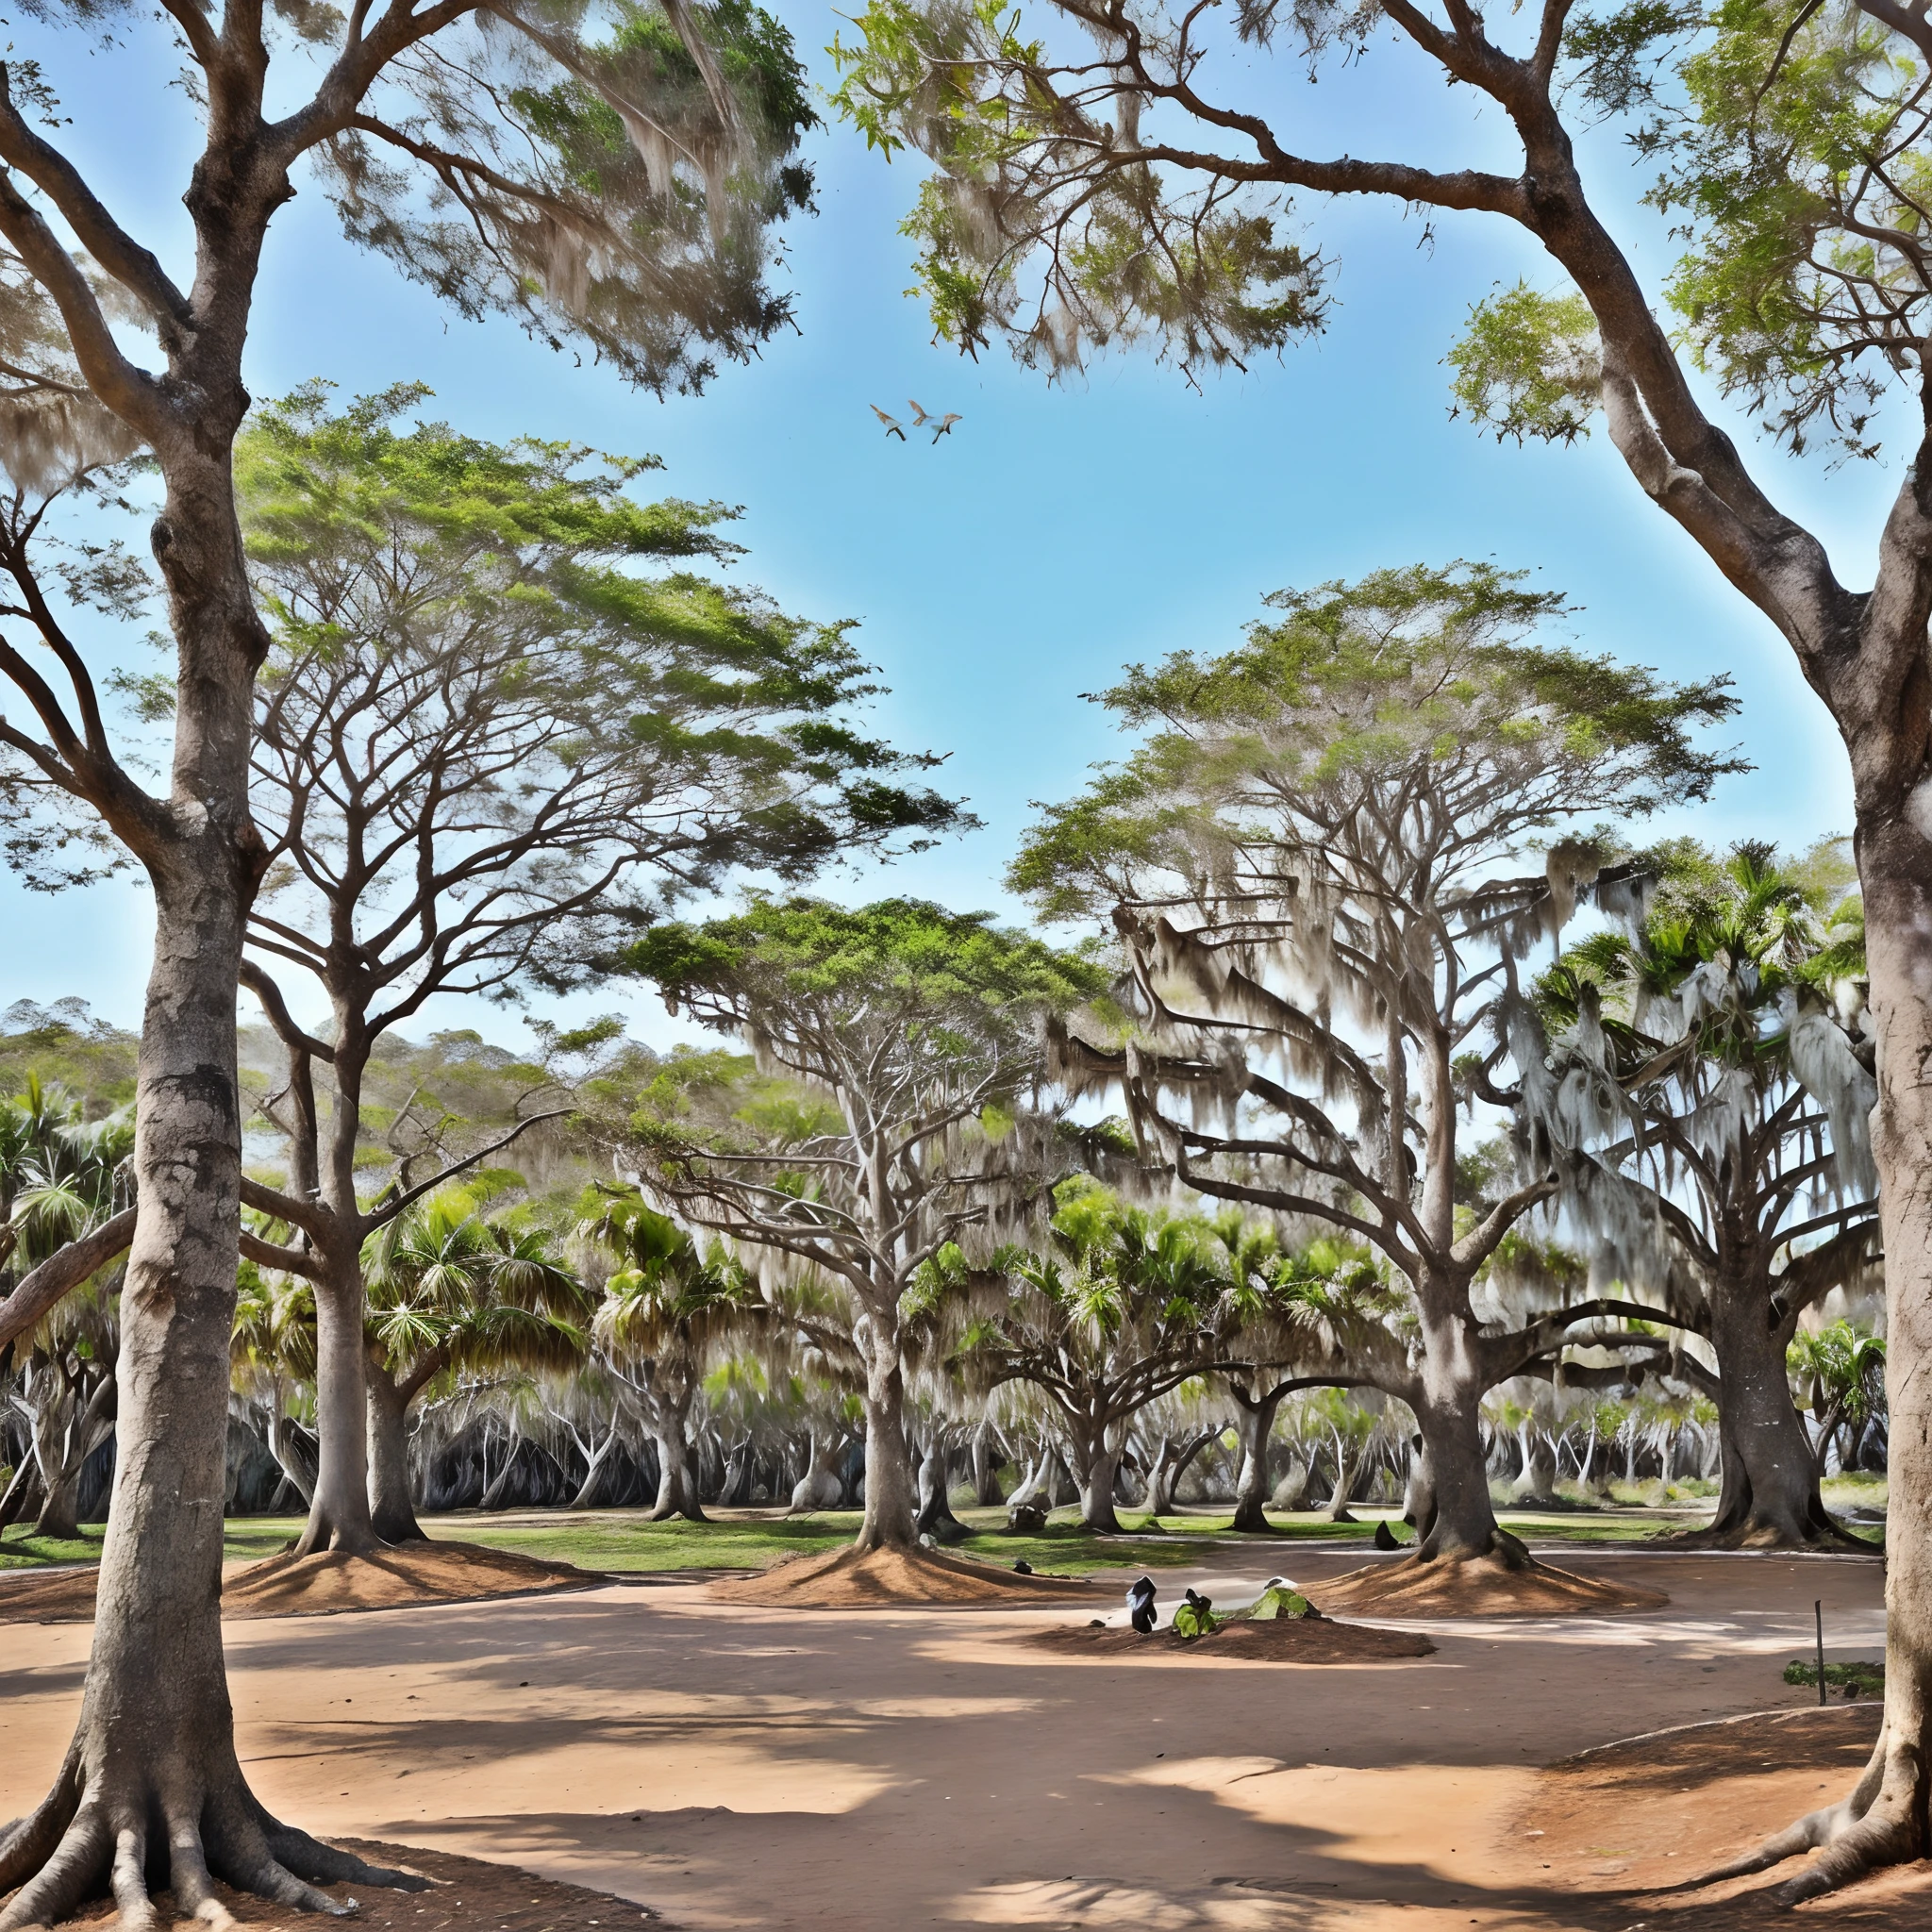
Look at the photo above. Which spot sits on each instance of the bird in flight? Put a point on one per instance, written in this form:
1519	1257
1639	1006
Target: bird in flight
891	426
923	419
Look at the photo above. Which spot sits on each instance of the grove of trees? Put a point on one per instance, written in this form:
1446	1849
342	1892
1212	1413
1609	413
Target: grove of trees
1379	1108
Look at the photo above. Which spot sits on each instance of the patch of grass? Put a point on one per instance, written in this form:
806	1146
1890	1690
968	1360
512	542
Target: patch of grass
618	1543
1857	1680
20	1549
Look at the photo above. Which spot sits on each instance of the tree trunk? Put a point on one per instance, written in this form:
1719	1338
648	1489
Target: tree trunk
339	1510
339	1506
677	1473
935	1518
1884	1819
1538	1482
1348	1469
1769	1499
152	1774
1419	1496
985	1475
1448	1411
1254	1424
1097	1464
391	1503
593	1476
891	1507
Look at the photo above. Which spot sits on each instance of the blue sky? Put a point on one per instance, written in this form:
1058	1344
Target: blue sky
1060	531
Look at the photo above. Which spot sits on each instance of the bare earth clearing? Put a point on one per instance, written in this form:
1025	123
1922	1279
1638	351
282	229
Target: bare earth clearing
727	1765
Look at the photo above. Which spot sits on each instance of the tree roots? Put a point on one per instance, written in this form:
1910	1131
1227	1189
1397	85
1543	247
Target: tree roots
1879	1823
82	1841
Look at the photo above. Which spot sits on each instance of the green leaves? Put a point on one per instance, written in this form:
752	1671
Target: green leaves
1365	699
944	975
1800	171
1529	366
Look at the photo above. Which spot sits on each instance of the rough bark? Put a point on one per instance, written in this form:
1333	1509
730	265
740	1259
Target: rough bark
677	1475
1884	1820
986	1472
1769	1496
891	1508
392	1501
935	1518
1254	1425
1096	1462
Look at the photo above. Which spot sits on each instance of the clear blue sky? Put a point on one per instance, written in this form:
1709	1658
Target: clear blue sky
1059	532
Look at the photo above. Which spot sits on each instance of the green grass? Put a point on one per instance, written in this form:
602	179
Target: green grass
621	1540
21	1549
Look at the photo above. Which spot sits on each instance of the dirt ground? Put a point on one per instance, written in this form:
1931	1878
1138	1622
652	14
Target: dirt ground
726	1766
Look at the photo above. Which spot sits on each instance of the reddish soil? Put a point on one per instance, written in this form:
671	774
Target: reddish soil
1283	1640
1479	1587
326	1584
1636	1821
886	1579
464	1893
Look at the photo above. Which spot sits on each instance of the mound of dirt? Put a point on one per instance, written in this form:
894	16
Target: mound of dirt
393	1579
464	1893
1280	1640
885	1579
1479	1587
326	1584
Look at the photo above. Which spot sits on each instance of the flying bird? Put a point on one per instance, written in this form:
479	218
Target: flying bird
891	426
920	417
944	426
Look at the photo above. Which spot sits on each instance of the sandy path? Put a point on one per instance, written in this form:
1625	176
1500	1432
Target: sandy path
737	1767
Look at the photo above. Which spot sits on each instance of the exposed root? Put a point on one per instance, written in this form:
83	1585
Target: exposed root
81	1842
1877	1824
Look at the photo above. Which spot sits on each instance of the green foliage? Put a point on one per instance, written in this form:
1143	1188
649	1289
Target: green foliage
1207	277
1859	1679
616	188
500	613
1800	171
1528	366
474	1292
1408	678
1841	1369
1277	1603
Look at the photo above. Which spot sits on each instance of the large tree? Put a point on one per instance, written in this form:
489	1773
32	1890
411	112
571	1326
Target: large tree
1698	1079
1311	863
607	175
1128	174
923	1029
503	718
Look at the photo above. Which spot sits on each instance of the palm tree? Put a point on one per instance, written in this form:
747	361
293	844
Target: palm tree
1703	1081
1845	1370
667	1312
452	1289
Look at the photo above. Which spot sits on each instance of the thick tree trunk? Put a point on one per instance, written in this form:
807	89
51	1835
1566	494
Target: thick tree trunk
677	1472
339	1506
1096	1467
935	1518
1448	1411
151	1777
1537	1481
891	1520
1348	1470
391	1503
1254	1424
1769	1499
985	1475
1885	1818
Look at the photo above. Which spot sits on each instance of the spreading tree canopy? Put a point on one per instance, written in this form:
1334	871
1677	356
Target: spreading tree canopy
1105	173
923	1029
1312	863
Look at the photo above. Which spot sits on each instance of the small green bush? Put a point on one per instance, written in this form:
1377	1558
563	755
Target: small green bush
1848	1680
